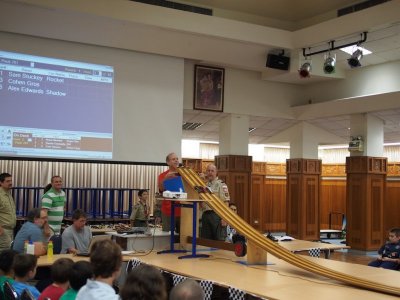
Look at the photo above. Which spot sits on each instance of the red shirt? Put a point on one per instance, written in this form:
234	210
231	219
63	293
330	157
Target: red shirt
166	204
52	292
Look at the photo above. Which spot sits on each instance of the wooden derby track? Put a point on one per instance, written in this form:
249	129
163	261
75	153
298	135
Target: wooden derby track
193	180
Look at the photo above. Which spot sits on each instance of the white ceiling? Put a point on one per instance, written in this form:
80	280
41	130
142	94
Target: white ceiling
383	41
287	10
145	28
268	127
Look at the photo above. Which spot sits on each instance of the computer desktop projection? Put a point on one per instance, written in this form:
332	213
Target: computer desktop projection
55	108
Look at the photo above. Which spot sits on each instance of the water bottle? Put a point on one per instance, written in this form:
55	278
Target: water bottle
50	250
30	248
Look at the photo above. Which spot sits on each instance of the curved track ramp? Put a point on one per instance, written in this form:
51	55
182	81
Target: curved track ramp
260	241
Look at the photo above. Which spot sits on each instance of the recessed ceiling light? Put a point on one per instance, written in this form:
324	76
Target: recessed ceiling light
350	50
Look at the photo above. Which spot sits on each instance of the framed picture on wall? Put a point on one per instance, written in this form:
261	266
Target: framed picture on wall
208	88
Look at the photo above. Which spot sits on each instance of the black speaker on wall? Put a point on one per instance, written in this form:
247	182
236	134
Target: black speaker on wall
280	62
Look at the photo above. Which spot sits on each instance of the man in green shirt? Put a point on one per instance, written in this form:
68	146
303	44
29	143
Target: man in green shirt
8	215
54	201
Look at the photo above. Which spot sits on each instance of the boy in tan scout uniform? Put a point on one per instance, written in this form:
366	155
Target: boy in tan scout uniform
140	211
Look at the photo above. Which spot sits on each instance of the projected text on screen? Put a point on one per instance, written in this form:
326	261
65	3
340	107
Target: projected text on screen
55	108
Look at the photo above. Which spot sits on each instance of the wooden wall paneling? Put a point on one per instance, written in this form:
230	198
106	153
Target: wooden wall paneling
293	202
332	202
235	170
268	204
378	186
273	205
259	168
239	190
355	208
237	163
325	206
302	198
311	209
391	206
205	163
393	169
257	186
275	169
334	170
192	163
197	164
366	189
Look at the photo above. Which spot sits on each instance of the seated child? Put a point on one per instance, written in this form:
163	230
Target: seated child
6	270
24	270
146	283
60	271
81	271
106	260
389	254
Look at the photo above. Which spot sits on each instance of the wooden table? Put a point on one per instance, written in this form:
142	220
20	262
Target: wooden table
301	246
279	280
43	261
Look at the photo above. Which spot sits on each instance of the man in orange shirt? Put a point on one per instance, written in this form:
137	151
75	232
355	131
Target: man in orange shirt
173	164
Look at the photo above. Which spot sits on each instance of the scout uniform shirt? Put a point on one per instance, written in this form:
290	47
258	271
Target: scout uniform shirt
220	189
139	212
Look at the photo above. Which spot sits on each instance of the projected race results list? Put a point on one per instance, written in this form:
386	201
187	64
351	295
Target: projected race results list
55	105
32	83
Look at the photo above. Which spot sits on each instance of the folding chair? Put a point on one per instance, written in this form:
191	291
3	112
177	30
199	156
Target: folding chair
9	292
27	295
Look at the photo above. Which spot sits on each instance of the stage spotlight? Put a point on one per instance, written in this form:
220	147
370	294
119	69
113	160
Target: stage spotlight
305	70
329	64
354	60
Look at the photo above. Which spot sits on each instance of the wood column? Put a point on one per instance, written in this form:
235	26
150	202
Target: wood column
257	193
302	198
366	189
235	171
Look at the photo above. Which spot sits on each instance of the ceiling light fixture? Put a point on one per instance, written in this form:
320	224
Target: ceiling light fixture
354	60
330	64
305	70
330	61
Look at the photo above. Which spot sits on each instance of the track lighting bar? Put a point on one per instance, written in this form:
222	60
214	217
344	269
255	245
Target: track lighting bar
333	47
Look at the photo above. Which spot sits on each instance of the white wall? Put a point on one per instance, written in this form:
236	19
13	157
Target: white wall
365	81
247	94
148	97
